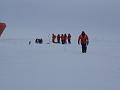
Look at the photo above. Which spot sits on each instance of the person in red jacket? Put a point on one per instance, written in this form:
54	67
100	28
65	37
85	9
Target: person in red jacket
53	38
62	39
58	38
83	39
65	38
69	38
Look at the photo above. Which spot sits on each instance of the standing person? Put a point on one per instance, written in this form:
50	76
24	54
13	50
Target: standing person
69	38
83	39
58	38
65	38
53	38
62	39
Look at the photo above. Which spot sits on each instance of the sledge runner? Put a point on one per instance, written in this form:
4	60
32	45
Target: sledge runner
83	39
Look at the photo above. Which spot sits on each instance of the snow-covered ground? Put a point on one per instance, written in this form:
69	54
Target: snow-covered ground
59	67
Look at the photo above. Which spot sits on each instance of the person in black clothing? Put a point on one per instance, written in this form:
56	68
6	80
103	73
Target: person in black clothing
58	38
62	39
69	38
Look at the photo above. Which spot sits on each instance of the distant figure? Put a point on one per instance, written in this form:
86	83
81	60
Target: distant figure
69	38
62	39
65	38
29	42
58	38
53	38
83	39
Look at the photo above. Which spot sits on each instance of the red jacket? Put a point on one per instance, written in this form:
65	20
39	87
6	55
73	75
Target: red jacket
53	38
83	39
58	37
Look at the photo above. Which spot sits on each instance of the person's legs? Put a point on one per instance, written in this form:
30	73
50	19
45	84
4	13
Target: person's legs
84	48
69	41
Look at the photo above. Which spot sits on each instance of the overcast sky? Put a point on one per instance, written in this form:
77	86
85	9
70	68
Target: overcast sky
38	16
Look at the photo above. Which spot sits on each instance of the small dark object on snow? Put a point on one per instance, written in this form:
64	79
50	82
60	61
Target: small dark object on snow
39	41
29	42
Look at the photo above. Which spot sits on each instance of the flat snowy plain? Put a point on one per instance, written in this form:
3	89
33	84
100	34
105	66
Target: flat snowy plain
59	67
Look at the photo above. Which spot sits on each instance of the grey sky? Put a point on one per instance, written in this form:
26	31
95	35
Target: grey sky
59	15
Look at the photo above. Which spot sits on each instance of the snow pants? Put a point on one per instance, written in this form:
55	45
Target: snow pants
69	41
84	48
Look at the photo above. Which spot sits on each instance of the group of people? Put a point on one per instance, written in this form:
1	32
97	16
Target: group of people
63	38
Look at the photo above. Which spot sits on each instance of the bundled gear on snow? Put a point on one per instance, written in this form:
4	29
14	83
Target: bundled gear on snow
39	41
